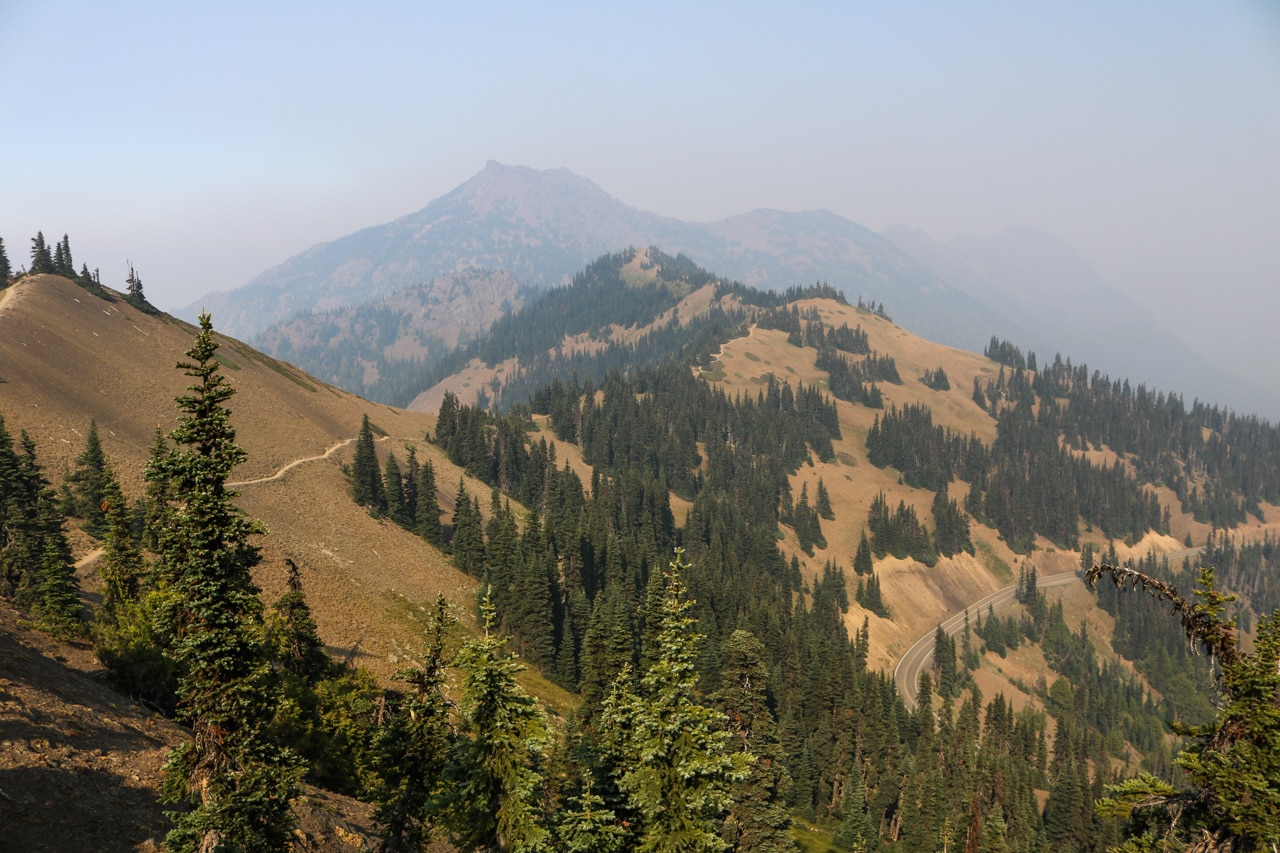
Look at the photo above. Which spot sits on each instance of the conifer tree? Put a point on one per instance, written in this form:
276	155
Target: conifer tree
1232	800
862	563
41	257
823	502
293	632
239	783
411	750
87	484
393	488
490	802
366	475
123	567
57	606
6	271
758	819
427	516
676	769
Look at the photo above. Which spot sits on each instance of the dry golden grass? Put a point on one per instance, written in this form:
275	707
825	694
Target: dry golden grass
67	357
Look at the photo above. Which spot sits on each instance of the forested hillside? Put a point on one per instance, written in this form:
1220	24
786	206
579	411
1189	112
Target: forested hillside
708	515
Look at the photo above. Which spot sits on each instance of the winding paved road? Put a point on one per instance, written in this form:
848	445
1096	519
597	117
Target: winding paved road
907	673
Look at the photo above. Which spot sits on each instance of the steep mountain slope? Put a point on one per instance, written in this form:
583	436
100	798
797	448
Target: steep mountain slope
363	348
67	357
1059	303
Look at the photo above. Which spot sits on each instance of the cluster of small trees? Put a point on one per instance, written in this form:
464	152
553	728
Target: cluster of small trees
58	261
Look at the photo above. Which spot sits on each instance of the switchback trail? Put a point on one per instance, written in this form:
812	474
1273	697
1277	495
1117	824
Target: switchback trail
906	675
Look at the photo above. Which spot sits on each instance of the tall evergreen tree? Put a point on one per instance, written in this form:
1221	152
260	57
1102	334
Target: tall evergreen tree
1232	801
491	797
41	256
758	818
393	488
6	271
427	515
677	768
123	567
366	475
87	484
239	783
412	749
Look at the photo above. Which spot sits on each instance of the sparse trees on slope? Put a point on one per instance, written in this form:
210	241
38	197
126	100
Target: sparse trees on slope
41	257
239	783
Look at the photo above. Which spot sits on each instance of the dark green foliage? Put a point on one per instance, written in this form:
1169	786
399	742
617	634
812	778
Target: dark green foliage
238	783
366	475
412	748
35	559
758	818
87	484
489	799
673	762
393	489
41	256
936	379
123	569
899	532
862	562
467	538
55	603
979	396
6	271
950	526
427	510
292	634
823	502
868	595
1004	352
133	292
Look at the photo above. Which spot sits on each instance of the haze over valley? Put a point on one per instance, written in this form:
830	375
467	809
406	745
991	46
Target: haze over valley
688	428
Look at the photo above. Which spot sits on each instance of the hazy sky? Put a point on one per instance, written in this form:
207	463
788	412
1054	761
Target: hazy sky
207	143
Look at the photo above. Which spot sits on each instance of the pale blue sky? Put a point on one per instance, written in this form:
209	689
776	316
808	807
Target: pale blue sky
207	144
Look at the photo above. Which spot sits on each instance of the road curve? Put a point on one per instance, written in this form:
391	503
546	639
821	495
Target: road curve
906	675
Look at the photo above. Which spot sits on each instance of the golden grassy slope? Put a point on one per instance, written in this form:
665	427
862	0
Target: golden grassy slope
67	356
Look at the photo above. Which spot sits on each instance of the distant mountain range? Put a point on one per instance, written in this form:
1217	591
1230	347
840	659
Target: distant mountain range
544	226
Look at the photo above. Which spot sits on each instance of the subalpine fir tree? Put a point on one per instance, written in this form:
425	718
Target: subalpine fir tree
491	797
758	817
87	484
427	515
1232	798
676	768
412	749
123	567
366	475
293	633
238	782
6	271
57	606
393	488
41	257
